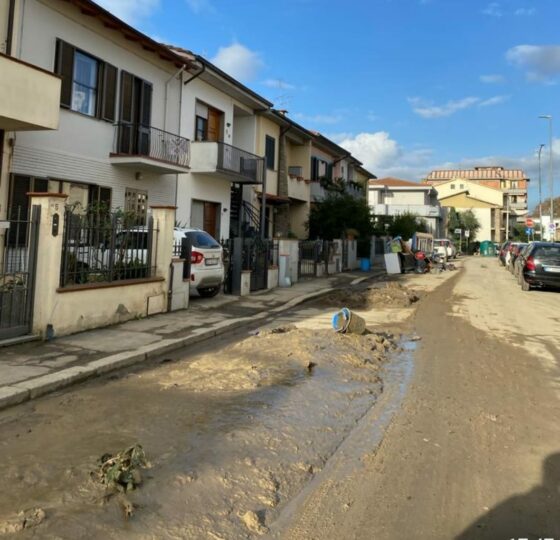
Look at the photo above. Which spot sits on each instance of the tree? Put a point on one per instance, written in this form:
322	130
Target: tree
339	213
465	220
406	224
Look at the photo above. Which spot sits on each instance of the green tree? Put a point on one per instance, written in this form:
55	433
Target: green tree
339	213
406	225
469	222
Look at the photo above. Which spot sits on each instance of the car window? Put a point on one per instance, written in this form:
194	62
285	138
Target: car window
202	239
547	252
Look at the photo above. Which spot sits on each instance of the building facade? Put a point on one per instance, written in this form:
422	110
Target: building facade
512	183
393	196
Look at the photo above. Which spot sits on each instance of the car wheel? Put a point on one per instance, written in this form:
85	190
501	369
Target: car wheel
524	284
209	292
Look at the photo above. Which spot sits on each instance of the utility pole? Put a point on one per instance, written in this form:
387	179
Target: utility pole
550	175
540	194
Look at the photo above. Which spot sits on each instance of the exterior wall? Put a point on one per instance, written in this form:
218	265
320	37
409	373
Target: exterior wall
203	187
79	150
267	127
406	197
476	191
299	215
298	155
484	216
245	133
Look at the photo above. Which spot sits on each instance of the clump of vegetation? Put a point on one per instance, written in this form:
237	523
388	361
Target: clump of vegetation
121	472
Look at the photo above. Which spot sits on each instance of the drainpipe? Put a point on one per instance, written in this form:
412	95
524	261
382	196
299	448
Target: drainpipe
196	75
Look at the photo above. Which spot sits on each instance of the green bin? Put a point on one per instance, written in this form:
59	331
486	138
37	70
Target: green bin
487	249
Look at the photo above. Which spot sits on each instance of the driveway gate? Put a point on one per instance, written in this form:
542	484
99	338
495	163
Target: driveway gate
18	254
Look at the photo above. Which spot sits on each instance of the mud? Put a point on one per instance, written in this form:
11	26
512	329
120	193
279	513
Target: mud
386	294
231	435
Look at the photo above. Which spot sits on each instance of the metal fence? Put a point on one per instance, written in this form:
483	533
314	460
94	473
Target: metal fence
312	253
249	167
103	247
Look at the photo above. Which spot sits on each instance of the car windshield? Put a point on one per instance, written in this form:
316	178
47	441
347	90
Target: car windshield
201	239
440	243
547	252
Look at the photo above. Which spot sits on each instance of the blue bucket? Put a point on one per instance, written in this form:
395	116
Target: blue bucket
365	265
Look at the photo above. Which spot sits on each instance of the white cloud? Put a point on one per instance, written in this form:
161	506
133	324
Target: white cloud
238	61
540	62
198	6
130	10
318	118
525	12
496	100
427	109
492	79
493	9
278	83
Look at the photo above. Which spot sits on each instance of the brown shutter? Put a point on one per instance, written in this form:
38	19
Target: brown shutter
64	66
127	90
146	105
109	93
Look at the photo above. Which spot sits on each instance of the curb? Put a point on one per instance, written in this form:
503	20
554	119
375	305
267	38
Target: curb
21	392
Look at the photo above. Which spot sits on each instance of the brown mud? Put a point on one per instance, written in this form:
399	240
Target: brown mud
232	434
386	294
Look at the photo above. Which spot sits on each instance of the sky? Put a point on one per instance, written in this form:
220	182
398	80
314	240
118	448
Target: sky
406	85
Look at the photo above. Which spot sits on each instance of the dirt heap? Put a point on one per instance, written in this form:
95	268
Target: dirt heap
388	294
281	356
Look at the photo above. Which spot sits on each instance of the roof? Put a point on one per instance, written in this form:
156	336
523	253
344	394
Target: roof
87	7
396	182
478	173
185	53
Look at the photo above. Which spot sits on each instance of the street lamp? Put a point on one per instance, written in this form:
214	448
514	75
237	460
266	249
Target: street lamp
540	193
550	178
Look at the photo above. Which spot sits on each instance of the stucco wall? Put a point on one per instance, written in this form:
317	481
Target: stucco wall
299	215
299	156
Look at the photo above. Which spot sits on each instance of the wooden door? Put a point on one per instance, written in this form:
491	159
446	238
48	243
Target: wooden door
211	219
214	125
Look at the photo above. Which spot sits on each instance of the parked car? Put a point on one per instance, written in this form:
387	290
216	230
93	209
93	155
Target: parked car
518	264
207	260
502	253
516	248
445	247
540	265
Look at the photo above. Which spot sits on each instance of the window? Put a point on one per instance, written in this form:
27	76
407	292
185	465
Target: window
270	150
201	128
89	85
461	186
320	169
136	202
452	186
208	123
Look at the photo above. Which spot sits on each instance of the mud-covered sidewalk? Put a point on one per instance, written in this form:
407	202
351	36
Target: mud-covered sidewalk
233	430
33	369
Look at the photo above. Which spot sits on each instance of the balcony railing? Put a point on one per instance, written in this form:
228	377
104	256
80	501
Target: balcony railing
151	143
422	210
241	163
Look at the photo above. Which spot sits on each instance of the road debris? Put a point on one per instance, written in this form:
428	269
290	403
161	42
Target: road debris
254	522
24	520
386	294
121	472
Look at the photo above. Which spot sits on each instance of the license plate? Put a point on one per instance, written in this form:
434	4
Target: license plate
555	269
212	262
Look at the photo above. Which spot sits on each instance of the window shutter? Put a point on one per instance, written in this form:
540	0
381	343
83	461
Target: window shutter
146	106
64	66
127	86
109	92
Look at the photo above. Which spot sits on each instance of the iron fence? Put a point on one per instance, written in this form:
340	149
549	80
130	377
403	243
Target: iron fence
148	141
313	253
248	167
103	247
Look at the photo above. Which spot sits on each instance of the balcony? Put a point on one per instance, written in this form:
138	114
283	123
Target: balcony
516	191
421	210
145	148
521	205
298	188
29	96
226	161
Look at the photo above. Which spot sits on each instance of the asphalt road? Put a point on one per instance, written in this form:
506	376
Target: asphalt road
474	450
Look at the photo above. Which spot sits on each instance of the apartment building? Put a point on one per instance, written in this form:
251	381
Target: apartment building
117	141
512	183
393	196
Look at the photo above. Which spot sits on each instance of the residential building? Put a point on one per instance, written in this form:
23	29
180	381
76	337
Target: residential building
513	184
484	202
219	116
332	169
393	197
117	142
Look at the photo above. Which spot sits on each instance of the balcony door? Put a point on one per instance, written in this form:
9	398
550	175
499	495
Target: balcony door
135	115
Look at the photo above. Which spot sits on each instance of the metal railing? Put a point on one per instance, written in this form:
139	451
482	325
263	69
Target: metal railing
249	167
103	247
150	142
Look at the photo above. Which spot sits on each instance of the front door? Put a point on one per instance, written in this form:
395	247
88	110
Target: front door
211	219
214	125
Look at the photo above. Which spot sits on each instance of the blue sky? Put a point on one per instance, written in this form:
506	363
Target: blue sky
407	85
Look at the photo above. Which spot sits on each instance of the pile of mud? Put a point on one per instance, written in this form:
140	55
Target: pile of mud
388	294
281	356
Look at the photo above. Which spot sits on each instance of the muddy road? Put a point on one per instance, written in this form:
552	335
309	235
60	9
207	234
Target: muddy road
474	450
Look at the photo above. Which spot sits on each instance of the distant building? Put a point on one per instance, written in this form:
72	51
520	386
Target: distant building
393	196
512	183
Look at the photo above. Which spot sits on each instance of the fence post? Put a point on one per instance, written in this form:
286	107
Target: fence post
162	245
49	256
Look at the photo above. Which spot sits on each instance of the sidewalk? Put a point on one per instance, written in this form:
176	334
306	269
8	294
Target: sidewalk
33	369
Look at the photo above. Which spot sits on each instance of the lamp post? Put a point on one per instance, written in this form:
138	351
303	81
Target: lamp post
540	193
550	177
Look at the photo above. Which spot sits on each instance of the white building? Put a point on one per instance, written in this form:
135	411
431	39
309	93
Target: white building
117	142
392	197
